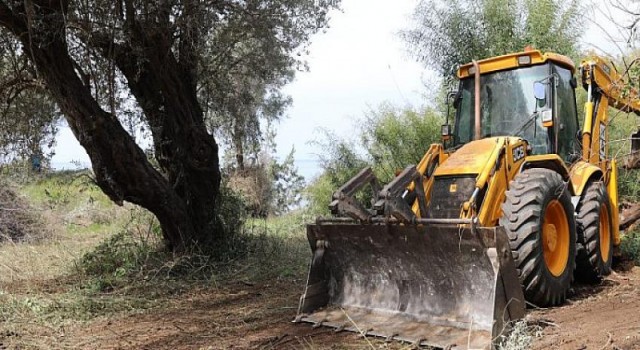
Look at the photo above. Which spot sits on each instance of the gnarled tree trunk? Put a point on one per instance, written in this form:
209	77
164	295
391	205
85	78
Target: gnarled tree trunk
183	198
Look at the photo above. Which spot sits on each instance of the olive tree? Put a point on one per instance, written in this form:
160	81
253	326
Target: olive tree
160	53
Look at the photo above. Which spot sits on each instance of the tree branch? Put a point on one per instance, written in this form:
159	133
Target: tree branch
10	20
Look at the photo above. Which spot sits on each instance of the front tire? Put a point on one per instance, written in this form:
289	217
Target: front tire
595	254
539	218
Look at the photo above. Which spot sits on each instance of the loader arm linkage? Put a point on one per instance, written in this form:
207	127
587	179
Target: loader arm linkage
445	254
388	271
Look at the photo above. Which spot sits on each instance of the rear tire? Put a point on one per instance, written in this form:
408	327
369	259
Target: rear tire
539	218
595	253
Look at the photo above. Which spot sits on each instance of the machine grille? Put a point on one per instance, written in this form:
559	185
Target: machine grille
448	194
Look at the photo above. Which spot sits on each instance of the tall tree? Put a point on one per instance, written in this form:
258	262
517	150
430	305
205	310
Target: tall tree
447	34
28	116
156	49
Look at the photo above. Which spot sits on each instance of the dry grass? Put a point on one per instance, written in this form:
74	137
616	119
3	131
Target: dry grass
103	262
41	293
521	336
18	220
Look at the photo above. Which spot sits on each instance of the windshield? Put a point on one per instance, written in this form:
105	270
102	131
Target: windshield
507	105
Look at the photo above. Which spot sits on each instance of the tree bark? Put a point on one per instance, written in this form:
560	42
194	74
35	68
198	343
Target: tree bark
183	199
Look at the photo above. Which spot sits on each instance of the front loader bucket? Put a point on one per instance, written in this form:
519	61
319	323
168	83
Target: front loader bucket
441	286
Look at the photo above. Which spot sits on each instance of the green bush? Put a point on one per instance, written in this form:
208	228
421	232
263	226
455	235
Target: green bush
392	138
622	124
397	137
629	185
118	255
630	246
253	248
232	212
339	162
318	194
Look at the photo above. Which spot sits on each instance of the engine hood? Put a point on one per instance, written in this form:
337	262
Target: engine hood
471	158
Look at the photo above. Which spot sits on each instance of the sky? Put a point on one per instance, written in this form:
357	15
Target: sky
358	63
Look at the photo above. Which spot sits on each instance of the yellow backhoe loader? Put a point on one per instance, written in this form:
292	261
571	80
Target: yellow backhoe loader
515	200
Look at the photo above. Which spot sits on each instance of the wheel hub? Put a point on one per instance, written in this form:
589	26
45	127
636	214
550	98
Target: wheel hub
605	234
551	237
555	238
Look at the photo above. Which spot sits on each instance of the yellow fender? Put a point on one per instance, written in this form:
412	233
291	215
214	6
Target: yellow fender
548	161
580	174
583	172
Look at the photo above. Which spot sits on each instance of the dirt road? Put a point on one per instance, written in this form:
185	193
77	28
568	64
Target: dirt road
245	316
606	316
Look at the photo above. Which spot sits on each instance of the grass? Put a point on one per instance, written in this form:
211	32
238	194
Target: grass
103	261
42	291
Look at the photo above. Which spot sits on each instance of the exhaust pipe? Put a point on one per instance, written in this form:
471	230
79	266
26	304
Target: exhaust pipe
478	129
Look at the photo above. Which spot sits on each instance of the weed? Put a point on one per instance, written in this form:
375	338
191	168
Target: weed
107	261
266	248
521	336
630	246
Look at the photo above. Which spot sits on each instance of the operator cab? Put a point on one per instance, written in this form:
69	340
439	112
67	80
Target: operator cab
532	98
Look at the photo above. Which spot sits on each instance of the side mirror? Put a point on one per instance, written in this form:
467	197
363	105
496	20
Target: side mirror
539	90
446	132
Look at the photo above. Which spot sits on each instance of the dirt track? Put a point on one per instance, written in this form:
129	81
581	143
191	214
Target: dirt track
243	316
606	316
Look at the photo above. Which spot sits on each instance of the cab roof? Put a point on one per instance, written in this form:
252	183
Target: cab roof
515	60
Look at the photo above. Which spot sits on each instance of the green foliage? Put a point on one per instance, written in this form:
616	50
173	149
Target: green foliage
65	191
395	138
447	34
318	193
630	246
262	249
339	162
287	185
246	63
231	209
339	159
621	127
629	184
117	256
392	139
28	116
268	186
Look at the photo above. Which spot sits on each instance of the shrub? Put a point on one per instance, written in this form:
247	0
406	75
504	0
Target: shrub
630	246
395	138
392	138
